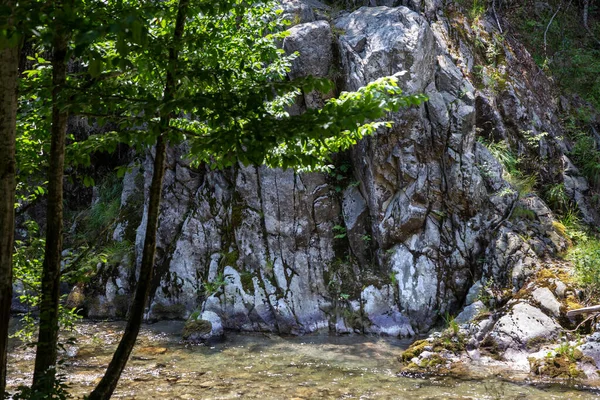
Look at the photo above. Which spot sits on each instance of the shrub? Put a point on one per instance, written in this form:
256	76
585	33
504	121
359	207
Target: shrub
586	258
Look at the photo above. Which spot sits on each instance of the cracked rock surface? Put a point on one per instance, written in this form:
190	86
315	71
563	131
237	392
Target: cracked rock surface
396	236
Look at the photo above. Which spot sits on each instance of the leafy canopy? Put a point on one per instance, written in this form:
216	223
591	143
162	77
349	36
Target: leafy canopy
232	89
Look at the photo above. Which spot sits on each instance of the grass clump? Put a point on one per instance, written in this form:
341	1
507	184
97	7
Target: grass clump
523	183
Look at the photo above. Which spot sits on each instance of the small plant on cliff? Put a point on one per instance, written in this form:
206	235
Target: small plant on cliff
556	197
212	287
451	323
393	278
340	232
522	182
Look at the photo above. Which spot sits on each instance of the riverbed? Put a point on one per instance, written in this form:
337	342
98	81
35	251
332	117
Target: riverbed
262	366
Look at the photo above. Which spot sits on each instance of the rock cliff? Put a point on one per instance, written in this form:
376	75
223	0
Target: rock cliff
406	223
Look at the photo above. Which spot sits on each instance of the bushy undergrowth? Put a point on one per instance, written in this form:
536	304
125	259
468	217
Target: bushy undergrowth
585	255
586	156
88	245
554	33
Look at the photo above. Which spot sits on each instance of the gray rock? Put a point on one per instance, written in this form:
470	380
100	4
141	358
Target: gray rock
216	323
313	41
592	350
206	327
474	293
544	297
383	313
594	337
470	312
523	325
560	289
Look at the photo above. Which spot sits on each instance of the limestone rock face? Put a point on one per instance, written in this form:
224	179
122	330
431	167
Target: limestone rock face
396	235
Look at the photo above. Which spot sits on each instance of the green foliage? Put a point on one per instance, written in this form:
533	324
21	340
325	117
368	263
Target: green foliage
513	174
59	391
520	212
33	131
565	349
27	269
212	287
556	197
340	232
230	105
569	52
229	259
586	155
452	325
585	255
475	8
341	176
103	213
501	152
393	279
573	225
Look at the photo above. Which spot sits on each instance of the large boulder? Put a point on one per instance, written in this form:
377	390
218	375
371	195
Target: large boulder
203	327
522	327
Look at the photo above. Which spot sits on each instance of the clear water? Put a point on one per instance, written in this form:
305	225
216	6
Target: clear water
257	366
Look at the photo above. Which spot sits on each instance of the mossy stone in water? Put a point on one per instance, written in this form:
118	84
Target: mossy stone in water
197	330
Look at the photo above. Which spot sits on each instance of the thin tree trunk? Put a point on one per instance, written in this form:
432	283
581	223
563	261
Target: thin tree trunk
586	11
110	380
9	65
45	360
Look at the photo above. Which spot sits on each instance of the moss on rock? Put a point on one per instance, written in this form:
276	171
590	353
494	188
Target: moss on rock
196	329
557	367
414	350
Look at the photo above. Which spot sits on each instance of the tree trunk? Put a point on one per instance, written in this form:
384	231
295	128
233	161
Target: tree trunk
586	7
109	382
9	64
45	360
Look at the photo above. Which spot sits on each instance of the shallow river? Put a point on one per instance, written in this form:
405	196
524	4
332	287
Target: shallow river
251	366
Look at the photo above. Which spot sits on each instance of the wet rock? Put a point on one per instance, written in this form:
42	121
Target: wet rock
151	350
197	330
383	314
205	327
76	298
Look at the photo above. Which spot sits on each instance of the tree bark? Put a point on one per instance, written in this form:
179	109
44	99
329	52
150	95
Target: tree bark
110	380
9	65
45	360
